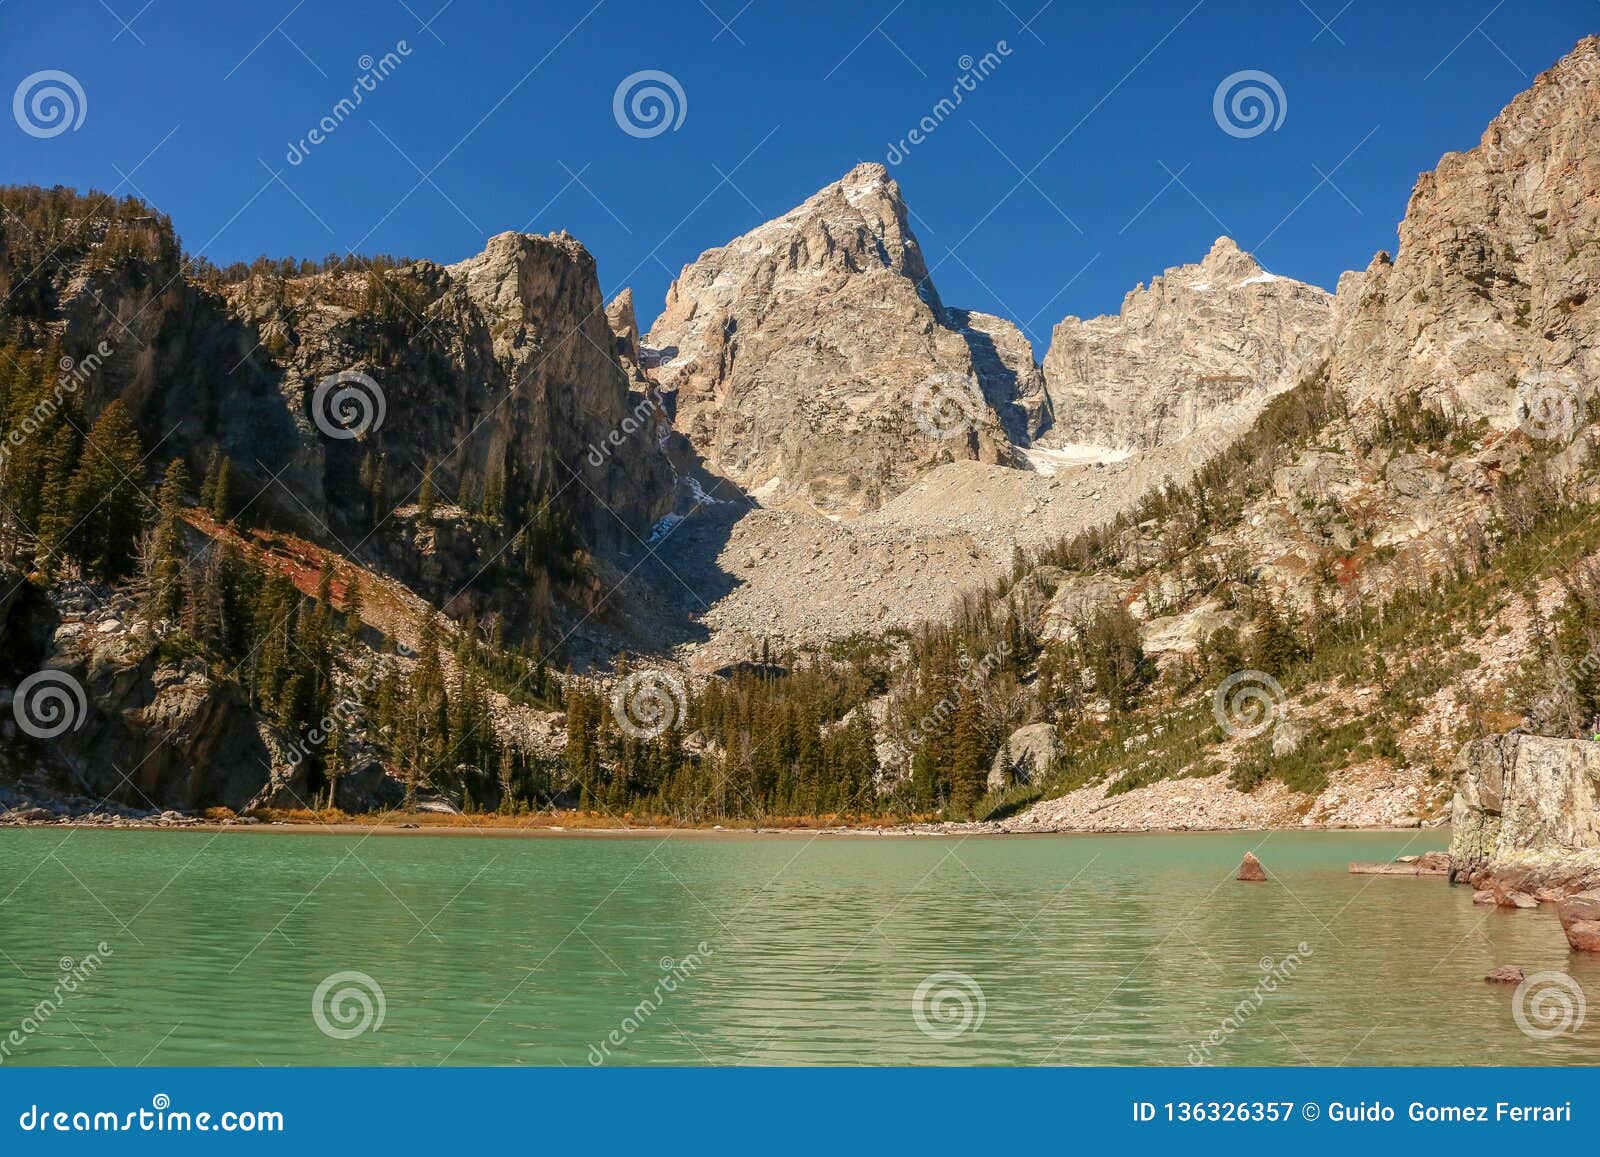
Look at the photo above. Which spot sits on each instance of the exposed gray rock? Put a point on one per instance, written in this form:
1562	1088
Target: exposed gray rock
803	354
1492	285
1013	383
1035	752
1204	345
1526	815
1183	634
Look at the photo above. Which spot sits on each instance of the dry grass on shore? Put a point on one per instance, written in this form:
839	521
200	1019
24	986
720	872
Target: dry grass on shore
549	821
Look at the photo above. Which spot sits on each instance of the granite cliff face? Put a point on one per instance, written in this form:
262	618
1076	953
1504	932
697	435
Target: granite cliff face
1201	344
1489	300
815	366
501	372
1526	815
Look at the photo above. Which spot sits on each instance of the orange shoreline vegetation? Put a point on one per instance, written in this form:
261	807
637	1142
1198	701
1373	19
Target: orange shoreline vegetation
582	824
490	823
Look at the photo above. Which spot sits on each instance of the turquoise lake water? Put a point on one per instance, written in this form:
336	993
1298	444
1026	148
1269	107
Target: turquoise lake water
266	948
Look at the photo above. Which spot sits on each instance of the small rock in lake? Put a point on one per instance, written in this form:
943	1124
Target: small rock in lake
1506	974
1251	870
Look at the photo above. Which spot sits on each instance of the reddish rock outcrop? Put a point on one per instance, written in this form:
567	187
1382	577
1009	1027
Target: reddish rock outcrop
1250	870
1580	920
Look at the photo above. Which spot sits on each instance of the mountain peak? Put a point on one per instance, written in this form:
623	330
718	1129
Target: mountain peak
869	179
803	354
1227	263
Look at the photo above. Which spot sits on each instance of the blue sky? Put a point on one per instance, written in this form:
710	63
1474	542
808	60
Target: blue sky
1088	159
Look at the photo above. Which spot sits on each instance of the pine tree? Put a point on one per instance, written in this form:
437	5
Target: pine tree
968	749
352	610
426	495
494	498
104	502
169	566
216	491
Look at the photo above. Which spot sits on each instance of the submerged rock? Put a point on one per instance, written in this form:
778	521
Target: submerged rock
1430	864
1506	974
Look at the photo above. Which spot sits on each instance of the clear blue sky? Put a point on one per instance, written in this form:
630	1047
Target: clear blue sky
508	110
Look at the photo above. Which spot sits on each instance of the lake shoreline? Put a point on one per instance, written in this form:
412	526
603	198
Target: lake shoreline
905	831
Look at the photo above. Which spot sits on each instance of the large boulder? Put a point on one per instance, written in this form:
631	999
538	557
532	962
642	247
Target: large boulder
1035	752
1580	920
1183	634
1075	602
1526	814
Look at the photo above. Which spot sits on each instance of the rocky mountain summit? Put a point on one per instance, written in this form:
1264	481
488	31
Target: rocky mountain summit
1488	305
813	364
1202	345
824	505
